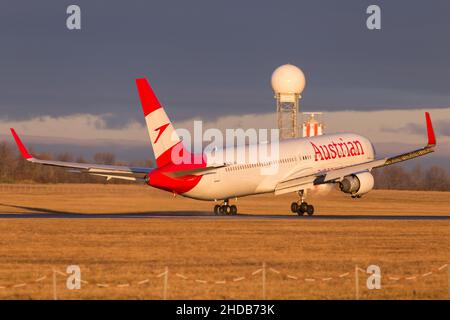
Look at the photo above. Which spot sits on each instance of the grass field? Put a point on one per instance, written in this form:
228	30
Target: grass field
215	258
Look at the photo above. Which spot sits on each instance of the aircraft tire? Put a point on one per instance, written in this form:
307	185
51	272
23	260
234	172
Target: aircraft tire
226	210
294	207
303	207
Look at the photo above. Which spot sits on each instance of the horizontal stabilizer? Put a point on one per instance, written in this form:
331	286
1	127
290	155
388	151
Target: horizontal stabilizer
194	172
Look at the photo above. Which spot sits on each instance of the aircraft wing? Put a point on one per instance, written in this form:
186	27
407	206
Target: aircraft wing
298	181
107	171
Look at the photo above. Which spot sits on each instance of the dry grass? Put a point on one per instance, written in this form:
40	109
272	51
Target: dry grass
125	251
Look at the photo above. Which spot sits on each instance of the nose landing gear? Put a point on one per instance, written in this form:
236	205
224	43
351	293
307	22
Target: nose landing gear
225	209
301	207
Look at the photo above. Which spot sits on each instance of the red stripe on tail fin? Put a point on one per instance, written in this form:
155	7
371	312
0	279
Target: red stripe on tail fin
149	101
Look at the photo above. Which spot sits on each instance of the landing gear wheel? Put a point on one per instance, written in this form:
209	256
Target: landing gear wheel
303	206
226	209
300	212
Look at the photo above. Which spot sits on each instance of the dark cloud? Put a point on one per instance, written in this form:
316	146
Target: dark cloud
212	58
442	128
112	121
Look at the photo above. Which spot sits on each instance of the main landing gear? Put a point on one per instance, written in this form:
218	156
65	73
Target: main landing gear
301	207
225	209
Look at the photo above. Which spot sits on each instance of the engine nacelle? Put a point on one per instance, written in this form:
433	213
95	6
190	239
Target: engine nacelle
357	184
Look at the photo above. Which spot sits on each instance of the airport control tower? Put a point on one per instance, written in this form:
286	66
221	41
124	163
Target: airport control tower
288	82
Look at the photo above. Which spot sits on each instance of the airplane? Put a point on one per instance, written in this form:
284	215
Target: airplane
342	159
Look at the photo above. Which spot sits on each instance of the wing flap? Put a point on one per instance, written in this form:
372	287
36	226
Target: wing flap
295	185
332	175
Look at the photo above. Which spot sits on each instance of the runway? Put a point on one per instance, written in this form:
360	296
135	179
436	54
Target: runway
137	232
191	215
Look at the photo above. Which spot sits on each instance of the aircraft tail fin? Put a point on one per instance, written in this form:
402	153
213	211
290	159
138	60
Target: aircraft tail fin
163	136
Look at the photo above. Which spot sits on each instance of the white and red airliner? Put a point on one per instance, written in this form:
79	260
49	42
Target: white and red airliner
345	160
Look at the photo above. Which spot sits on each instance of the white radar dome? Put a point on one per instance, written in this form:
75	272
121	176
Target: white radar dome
288	79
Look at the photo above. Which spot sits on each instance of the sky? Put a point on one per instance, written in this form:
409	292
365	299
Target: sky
212	60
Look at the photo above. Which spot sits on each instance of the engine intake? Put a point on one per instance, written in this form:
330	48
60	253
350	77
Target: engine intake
357	184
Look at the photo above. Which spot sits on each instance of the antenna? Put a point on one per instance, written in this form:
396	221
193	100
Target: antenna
312	124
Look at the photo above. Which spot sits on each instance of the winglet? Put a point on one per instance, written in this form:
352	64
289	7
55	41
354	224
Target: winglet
20	145
430	131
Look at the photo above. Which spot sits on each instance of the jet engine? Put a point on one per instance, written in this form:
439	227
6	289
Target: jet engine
357	184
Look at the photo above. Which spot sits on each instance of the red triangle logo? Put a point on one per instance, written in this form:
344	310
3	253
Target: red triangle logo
160	131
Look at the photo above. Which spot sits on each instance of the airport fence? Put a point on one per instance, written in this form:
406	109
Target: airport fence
163	285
